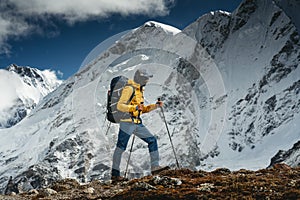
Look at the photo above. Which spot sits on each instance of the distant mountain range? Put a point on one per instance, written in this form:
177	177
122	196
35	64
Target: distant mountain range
230	83
22	89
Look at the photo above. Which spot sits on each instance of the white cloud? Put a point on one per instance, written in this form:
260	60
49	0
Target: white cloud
11	25
9	94
51	77
15	14
74	10
59	74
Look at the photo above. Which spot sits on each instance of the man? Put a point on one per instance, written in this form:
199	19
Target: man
134	125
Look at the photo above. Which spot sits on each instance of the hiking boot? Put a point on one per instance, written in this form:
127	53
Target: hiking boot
116	179
157	169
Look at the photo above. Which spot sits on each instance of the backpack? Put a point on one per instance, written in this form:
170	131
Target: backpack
117	85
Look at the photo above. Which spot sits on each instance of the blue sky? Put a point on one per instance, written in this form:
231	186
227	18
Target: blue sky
59	36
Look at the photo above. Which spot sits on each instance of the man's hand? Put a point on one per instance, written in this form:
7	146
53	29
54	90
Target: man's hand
159	103
140	107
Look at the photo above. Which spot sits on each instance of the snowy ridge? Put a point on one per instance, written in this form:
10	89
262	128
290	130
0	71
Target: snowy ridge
44	81
230	86
291	8
290	157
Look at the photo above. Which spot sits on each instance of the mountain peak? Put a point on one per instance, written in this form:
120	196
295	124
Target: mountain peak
24	71
165	27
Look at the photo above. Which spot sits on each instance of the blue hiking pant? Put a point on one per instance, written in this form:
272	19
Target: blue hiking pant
125	131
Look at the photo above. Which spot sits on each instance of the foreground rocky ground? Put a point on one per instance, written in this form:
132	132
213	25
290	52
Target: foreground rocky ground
279	182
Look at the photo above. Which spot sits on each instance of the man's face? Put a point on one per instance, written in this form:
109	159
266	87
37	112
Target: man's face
144	81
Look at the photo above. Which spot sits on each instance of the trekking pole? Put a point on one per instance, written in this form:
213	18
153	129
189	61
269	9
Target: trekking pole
108	128
129	156
163	114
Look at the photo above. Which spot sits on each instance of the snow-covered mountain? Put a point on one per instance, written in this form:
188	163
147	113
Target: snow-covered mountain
21	90
230	86
257	51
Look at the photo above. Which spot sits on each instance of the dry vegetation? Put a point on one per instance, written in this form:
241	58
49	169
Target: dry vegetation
279	182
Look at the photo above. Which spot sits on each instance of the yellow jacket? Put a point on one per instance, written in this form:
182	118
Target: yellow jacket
137	99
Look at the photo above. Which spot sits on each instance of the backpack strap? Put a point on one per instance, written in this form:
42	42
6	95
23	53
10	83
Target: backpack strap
132	95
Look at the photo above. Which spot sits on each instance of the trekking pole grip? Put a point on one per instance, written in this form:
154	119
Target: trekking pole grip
140	111
157	103
158	100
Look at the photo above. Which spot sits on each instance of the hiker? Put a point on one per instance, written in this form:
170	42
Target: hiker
133	124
